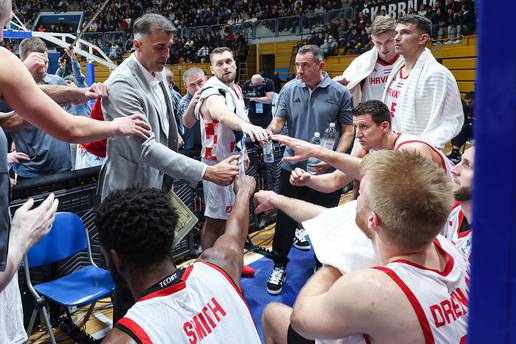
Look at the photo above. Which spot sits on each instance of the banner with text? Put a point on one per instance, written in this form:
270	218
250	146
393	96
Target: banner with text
395	9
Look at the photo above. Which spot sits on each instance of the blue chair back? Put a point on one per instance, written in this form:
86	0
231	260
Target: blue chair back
66	237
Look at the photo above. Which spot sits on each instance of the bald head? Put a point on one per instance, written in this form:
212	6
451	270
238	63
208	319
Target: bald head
256	79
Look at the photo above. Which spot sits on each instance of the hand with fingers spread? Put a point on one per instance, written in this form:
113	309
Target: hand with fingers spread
341	79
256	133
132	125
29	225
299	177
302	149
224	172
264	201
14	158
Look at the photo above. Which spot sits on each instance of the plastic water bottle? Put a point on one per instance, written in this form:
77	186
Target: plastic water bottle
268	153
316	140
329	137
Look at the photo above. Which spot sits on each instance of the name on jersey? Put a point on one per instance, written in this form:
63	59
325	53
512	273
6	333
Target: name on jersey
378	80
393	93
450	310
203	324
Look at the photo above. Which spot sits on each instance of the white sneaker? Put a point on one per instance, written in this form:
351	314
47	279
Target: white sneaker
300	241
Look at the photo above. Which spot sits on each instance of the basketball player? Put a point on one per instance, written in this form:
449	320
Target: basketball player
420	291
373	131
202	302
367	74
458	228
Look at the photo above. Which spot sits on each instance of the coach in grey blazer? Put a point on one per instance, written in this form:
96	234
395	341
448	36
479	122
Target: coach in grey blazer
138	86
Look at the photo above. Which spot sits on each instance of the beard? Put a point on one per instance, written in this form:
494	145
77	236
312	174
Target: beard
361	223
227	79
463	194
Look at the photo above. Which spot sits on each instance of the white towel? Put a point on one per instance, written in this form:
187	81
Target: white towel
358	70
429	105
337	240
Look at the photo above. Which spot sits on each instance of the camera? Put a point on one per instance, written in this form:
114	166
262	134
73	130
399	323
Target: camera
255	91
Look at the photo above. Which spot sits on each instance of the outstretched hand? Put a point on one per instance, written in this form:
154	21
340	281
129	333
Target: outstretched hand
31	224
263	201
302	149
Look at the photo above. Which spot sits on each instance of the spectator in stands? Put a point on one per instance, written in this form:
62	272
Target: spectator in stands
367	74
194	80
308	104
203	53
352	42
421	93
468	18
77	79
357	306
136	230
138	85
454	26
466	132
330	46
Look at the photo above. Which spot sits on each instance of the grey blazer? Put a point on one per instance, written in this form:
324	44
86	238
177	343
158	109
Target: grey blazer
131	160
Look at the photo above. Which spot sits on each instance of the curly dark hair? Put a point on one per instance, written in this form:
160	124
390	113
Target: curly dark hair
378	110
138	224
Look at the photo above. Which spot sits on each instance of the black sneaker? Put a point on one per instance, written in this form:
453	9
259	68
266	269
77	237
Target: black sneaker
276	280
300	241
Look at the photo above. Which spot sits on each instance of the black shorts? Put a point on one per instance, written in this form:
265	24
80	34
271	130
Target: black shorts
295	338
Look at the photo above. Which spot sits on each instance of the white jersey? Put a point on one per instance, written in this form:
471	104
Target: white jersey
452	230
404	138
374	85
439	298
200	303
219	142
393	92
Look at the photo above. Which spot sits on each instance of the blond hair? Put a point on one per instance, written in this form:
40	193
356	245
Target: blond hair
382	24
410	194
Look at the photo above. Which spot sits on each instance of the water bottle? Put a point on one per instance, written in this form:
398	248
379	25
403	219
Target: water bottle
329	137
316	140
268	153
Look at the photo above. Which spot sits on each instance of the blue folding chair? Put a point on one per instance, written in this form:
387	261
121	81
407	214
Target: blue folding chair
84	286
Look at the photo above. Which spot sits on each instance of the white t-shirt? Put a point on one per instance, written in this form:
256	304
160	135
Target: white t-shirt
374	85
393	92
